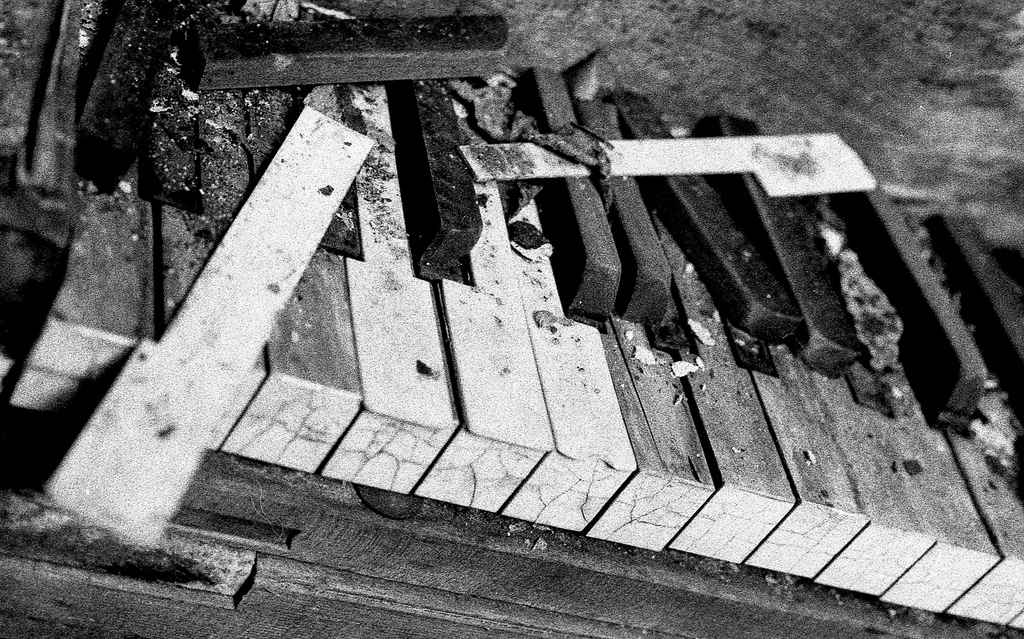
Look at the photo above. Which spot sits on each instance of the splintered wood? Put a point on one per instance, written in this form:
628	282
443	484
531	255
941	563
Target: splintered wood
134	459
785	165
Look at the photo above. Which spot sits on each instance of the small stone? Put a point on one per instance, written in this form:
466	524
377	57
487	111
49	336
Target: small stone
124	187
644	355
540	545
423	369
913	467
810	458
683	368
701	332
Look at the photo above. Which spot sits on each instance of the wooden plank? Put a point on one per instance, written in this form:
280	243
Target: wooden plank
937	352
586	264
184	567
427	133
408	414
110	476
753	492
569	584
505	425
828	514
925	534
359	50
672	480
592	456
644	294
825	163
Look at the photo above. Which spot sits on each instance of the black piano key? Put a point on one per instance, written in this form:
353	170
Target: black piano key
937	352
644	290
586	263
992	301
442	215
747	287
828	339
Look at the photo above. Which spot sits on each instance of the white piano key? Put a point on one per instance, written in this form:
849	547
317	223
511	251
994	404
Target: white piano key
592	456
672	480
408	413
807	539
506	429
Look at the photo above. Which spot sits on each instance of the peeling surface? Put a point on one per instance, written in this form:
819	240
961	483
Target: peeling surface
731	524
807	539
565	493
385	453
292	423
478	472
874	559
650	510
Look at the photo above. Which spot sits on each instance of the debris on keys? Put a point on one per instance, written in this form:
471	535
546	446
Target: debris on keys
528	241
683	367
701	332
645	355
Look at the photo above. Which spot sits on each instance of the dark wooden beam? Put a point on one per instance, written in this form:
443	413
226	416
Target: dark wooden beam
341	51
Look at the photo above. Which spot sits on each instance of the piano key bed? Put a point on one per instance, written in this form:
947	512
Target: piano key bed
499	382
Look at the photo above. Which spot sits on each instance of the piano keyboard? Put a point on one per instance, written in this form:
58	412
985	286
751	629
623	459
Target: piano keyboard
480	391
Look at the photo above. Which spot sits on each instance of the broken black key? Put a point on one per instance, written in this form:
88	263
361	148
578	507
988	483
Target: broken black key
747	287
586	264
990	299
937	352
441	211
644	291
828	339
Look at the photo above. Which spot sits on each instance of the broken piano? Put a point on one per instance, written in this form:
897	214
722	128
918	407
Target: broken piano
333	344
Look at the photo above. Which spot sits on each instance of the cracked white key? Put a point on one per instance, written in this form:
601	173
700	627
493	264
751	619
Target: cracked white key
135	457
925	544
672	480
408	413
753	493
312	392
506	428
828	515
592	456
